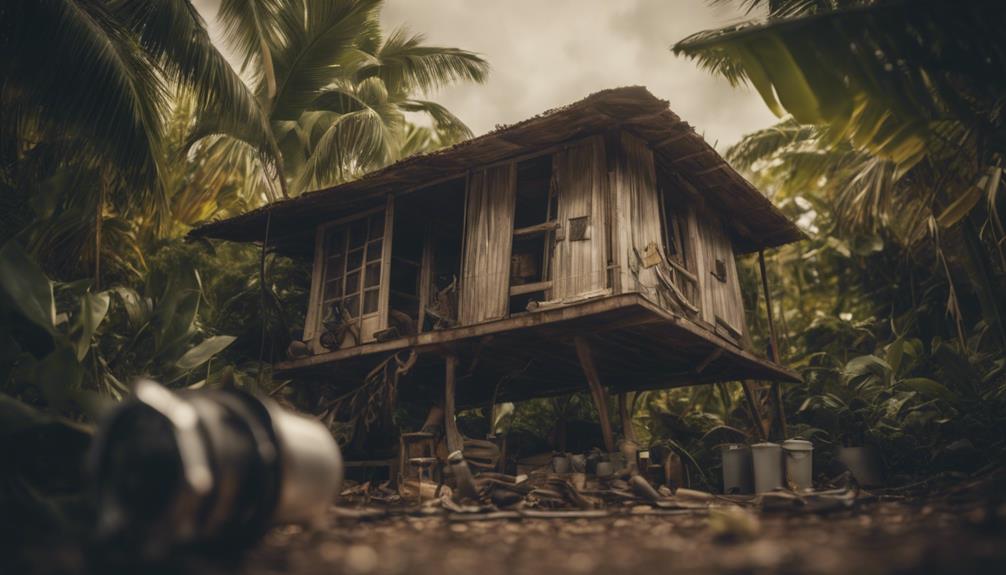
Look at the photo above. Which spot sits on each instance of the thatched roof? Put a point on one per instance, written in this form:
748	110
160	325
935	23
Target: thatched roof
752	219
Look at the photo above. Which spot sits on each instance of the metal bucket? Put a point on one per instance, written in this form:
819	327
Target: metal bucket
737	472
768	465
799	464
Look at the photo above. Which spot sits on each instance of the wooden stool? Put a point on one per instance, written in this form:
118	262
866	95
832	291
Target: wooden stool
423	442
424	466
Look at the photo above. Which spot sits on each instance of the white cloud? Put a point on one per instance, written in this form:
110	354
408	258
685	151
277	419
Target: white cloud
547	53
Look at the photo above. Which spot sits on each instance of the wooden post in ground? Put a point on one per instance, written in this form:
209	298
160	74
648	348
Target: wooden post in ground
751	398
465	485
454	440
780	414
623	413
596	390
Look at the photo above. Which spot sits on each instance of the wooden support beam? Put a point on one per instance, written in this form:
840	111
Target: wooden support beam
712	169
529	288
536	229
690	156
454	440
623	413
596	390
780	414
709	359
750	397
679	135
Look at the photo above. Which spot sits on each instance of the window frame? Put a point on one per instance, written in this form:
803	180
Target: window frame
319	279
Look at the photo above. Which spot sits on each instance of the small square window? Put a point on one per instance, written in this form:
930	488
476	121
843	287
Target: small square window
721	270
579	228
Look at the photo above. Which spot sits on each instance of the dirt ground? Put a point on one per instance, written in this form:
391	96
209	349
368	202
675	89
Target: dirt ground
928	535
960	530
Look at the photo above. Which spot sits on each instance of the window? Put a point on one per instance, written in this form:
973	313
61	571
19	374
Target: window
534	228
672	225
352	273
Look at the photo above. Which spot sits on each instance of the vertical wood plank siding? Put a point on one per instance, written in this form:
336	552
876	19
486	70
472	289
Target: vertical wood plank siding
485	275
638	208
719	299
580	266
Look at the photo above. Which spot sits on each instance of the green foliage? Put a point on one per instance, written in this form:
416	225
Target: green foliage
336	89
884	75
65	344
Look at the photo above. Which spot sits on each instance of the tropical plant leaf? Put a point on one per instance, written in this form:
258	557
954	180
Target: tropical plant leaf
900	64
960	207
202	353
929	388
25	288
93	309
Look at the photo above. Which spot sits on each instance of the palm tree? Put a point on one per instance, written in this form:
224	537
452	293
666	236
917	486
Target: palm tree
85	87
335	90
896	104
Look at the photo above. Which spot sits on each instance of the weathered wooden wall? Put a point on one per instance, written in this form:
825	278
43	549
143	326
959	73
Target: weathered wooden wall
719	299
485	267
637	215
580	266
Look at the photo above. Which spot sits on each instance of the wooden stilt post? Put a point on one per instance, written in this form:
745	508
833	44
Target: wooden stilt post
780	415
454	440
623	413
750	398
596	390
465	485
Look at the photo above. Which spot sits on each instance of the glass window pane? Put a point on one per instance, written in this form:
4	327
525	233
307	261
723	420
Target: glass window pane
370	300
352	305
374	251
355	259
334	269
377	225
357	233
333	289
373	276
352	282
337	240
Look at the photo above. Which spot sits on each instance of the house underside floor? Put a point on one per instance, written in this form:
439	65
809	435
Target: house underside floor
635	345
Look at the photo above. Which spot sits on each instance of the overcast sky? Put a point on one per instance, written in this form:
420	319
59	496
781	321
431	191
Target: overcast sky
547	53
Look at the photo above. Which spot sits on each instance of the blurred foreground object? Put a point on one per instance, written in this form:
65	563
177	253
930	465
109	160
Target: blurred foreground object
208	466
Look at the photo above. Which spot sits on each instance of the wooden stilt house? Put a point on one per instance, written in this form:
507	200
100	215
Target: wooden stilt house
593	244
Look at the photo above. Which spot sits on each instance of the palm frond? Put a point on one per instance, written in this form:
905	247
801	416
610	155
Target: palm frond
352	143
175	35
250	29
879	74
764	144
445	123
73	68
405	64
314	40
